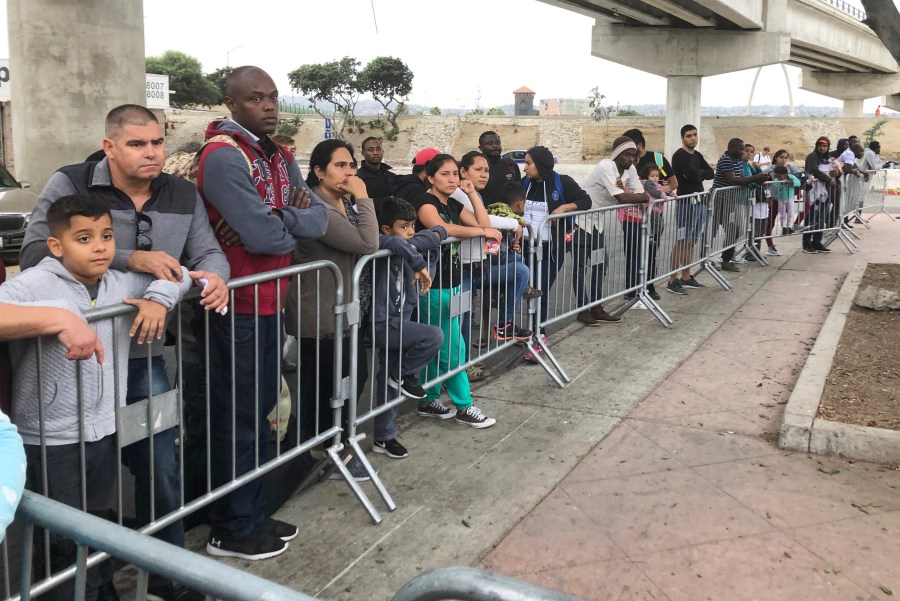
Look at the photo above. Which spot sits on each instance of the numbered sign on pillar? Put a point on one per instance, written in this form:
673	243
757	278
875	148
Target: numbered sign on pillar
327	128
157	91
4	79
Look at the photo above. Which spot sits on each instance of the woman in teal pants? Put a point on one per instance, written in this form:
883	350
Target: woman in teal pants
437	208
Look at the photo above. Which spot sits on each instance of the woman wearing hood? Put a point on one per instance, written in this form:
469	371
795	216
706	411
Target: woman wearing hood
817	165
549	193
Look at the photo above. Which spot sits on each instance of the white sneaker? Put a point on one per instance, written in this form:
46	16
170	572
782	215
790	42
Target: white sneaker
739	260
773	252
639	305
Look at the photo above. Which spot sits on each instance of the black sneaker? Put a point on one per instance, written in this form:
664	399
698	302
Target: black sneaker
409	386
809	249
282	530
691	282
820	247
392	448
171	592
257	545
651	291
675	287
600	314
434	409
472	416
356	468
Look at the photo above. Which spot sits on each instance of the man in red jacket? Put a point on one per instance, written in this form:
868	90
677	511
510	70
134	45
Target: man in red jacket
259	208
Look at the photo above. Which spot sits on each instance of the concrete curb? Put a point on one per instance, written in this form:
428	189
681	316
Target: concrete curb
801	430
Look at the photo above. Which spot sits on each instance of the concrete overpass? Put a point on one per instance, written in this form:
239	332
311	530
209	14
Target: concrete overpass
685	40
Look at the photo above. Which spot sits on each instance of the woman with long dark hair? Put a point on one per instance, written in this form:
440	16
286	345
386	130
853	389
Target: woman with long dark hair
352	231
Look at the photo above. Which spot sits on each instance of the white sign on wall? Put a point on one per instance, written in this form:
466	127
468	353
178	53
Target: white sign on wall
157	91
4	79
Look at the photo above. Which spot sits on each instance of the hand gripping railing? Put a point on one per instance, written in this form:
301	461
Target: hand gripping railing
207	576
470	584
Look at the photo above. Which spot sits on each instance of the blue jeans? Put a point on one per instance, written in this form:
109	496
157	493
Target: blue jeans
257	351
509	276
144	376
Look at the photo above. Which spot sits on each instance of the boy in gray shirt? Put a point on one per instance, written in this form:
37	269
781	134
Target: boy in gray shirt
46	403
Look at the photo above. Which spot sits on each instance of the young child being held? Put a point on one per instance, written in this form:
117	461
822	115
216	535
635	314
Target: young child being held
78	278
784	192
513	205
404	346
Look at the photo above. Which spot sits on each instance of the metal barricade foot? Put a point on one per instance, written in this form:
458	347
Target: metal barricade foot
751	249
547	361
333	454
376	480
656	310
848	243
709	268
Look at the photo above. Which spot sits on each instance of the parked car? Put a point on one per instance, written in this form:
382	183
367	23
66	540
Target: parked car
16	204
519	156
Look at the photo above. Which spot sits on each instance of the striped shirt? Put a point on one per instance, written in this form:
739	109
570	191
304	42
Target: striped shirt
726	164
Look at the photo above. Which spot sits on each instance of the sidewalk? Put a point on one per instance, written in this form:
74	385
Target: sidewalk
645	466
689	497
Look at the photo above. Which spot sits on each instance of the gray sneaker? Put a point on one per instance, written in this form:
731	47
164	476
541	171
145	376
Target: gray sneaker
692	282
675	287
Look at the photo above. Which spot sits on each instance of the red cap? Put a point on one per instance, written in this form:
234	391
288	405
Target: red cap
425	155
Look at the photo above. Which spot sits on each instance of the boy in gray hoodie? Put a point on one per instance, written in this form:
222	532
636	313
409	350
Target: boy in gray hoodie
46	403
404	346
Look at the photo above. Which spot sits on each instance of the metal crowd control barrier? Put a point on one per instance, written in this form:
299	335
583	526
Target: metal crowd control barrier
471	584
674	241
873	198
183	469
729	210
209	577
503	277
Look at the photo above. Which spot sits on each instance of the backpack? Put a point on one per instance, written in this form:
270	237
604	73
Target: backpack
187	166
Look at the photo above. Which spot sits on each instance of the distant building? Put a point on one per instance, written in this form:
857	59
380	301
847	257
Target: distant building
576	107
524	102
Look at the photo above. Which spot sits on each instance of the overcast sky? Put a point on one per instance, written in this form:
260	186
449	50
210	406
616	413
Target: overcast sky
462	52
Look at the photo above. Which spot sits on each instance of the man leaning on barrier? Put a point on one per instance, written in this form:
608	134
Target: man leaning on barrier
259	207
615	181
157	219
730	172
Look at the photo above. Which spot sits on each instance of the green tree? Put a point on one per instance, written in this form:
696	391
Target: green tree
628	113
185	78
335	82
496	111
435	110
873	132
599	111
476	111
218	77
389	81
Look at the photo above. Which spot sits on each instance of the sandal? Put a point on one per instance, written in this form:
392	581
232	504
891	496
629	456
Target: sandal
532	292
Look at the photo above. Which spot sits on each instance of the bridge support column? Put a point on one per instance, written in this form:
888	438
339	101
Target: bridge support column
69	67
853	109
892	102
682	107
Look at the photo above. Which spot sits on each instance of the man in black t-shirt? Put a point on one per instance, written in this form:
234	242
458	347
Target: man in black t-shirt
655	158
691	170
501	170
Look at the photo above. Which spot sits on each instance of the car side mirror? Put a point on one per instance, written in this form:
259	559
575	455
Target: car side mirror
25	184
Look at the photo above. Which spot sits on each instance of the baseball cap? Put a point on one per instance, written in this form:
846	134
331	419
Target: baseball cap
425	155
